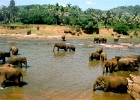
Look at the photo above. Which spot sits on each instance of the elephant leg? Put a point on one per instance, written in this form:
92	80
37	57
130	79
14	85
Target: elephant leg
20	64
2	81
17	81
57	48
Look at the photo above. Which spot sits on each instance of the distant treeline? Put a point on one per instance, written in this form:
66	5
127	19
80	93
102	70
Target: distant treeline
121	19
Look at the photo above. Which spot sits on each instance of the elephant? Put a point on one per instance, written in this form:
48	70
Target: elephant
103	56
99	50
111	64
14	50
4	54
94	55
116	39
8	65
102	40
109	83
60	46
17	60
8	73
71	47
63	38
134	56
128	64
96	40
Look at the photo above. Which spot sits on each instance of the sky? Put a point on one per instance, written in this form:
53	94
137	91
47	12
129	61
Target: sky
83	4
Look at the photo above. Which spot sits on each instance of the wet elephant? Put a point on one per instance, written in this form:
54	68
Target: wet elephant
94	55
60	46
18	60
99	50
14	50
111	64
3	55
103	56
8	73
71	47
111	83
134	56
128	64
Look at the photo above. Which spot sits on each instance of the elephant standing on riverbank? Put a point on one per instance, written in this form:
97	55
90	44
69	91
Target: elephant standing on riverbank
3	55
14	50
60	46
17	60
111	83
8	73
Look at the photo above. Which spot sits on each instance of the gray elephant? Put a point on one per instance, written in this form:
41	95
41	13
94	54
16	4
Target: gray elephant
134	56
128	64
60	46
3	55
8	73
103	56
102	40
94	55
109	83
18	60
14	50
71	47
96	40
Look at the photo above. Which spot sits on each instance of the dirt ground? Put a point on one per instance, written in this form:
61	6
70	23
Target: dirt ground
49	32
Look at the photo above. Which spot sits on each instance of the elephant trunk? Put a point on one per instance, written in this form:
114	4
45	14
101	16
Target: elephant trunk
25	63
94	85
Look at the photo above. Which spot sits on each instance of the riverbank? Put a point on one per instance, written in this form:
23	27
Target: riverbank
51	32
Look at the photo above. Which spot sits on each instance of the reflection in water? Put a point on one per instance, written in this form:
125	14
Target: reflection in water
62	75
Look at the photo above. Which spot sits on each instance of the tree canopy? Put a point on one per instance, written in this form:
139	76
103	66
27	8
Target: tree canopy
48	14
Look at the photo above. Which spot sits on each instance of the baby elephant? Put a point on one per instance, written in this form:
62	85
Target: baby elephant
108	83
14	50
94	55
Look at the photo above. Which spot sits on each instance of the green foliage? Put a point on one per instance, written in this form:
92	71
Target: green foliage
88	20
121	29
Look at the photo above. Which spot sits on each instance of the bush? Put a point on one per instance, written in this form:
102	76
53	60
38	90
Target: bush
121	29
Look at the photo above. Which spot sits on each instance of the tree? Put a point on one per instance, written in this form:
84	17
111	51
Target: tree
12	10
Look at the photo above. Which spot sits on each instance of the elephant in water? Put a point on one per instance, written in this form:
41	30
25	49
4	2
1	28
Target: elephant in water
99	50
94	55
60	46
71	47
14	50
17	60
8	73
111	64
103	56
109	83
4	54
128	64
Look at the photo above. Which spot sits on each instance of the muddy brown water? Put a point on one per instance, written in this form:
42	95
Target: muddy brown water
62	75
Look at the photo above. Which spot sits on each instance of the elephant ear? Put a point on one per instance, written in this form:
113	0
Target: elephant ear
106	83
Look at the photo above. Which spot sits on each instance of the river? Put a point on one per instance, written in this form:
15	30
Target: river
62	75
